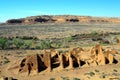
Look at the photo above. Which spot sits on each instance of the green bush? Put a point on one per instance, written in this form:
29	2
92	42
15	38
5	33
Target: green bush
3	42
27	44
76	79
96	70
115	70
56	44
9	44
91	74
93	33
6	61
68	39
44	45
18	42
52	78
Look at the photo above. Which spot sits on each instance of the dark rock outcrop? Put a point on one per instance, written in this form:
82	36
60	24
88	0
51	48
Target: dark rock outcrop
15	21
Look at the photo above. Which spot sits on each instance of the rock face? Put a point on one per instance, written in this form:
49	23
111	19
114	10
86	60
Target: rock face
62	19
53	60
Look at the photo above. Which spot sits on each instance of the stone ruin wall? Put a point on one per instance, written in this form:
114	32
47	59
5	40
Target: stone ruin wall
52	60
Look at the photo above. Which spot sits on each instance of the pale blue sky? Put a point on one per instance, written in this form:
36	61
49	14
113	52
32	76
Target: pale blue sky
23	8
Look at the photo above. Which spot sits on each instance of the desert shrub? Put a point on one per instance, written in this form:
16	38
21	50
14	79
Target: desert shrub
27	44
37	46
60	51
3	42
118	79
96	70
6	61
65	78
18	42
91	74
103	75
56	44
44	44
66	51
93	33
76	79
65	45
65	41
115	70
9	44
68	39
52	79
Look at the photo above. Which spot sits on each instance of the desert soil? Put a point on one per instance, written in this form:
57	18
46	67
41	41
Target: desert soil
106	72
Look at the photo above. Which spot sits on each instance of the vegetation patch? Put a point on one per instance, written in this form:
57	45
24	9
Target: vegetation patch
25	42
97	70
65	78
115	70
76	79
52	79
3	42
90	74
6	61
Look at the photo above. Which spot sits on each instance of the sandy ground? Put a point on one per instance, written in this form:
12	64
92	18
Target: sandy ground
81	73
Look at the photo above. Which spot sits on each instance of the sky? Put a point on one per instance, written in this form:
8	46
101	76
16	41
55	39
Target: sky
13	9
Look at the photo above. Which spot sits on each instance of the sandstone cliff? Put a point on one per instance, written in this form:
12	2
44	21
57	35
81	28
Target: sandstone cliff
62	19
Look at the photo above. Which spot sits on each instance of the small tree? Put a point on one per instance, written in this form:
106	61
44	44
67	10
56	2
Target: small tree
3	42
